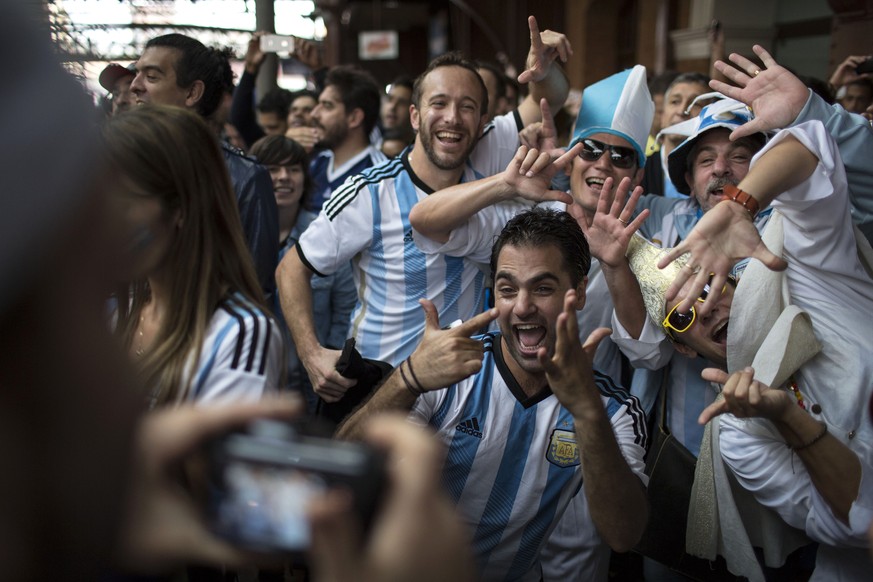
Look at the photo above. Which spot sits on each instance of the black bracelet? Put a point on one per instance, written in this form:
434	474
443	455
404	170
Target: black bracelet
409	386
815	439
414	377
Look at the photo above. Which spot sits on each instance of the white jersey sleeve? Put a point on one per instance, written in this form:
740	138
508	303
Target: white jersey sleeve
652	350
474	239
241	357
344	228
497	146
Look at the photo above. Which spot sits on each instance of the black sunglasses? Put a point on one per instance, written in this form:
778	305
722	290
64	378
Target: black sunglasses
621	157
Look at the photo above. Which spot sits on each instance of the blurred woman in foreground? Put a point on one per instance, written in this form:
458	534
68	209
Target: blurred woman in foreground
194	322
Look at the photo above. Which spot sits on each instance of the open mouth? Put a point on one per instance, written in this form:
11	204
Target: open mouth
530	337
449	137
719	335
595	183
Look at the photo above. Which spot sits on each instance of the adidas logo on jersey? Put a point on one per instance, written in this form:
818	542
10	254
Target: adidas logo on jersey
470	427
407	238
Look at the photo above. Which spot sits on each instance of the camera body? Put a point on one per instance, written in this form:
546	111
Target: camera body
262	479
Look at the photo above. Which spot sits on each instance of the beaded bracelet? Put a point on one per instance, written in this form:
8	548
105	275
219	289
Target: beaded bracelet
815	439
409	386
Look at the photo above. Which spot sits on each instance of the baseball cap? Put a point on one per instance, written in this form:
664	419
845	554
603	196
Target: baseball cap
113	72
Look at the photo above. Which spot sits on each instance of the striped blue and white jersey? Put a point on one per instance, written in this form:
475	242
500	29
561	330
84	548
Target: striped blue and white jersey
241	356
367	221
512	467
326	178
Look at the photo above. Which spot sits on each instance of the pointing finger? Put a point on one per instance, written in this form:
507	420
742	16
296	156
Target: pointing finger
472	325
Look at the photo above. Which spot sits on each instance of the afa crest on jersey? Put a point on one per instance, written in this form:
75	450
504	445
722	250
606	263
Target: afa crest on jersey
563	450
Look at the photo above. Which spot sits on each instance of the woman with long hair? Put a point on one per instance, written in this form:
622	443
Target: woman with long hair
192	316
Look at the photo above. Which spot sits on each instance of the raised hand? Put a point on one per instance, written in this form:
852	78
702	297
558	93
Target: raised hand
724	236
254	55
545	47
308	52
542	135
569	369
611	229
775	95
447	356
845	73
529	174
745	397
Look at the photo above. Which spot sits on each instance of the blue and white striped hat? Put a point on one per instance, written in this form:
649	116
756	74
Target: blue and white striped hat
620	105
726	113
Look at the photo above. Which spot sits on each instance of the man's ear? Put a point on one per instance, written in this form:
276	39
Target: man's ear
684	350
580	294
355	118
194	93
414	117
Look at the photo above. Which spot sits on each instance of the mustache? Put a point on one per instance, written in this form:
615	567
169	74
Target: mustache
719	183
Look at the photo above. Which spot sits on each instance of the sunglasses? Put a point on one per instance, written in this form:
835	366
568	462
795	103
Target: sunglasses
621	157
681	322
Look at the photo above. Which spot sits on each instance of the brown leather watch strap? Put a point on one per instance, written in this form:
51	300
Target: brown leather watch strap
742	198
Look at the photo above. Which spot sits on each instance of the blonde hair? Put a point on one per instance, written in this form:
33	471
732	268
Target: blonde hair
171	154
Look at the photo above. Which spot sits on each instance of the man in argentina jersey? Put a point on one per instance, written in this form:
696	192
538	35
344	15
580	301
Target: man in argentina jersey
366	220
545	455
347	111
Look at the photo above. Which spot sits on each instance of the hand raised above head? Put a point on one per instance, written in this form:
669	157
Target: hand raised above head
775	95
545	47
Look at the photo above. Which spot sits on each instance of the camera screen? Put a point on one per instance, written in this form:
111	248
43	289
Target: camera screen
265	506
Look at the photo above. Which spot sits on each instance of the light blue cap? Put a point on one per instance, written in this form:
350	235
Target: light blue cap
620	105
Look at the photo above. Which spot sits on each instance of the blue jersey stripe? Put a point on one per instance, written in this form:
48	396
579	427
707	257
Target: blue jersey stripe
376	278
436	421
534	533
414	264
454	275
462	451
204	370
506	484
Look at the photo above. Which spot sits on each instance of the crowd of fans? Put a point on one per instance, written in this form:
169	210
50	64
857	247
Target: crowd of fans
693	263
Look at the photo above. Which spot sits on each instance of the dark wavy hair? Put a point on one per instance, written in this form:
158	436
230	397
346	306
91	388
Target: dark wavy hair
196	62
544	226
358	89
276	150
